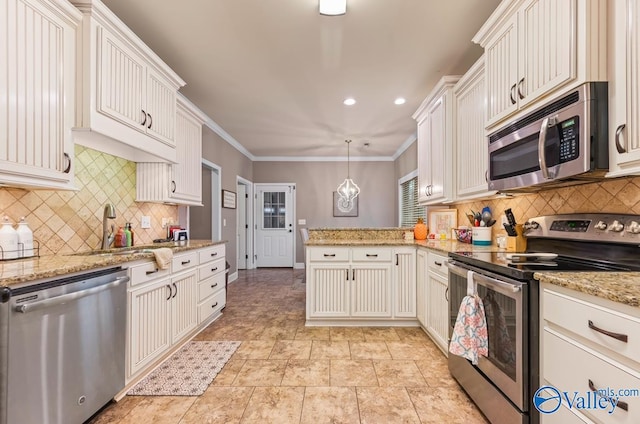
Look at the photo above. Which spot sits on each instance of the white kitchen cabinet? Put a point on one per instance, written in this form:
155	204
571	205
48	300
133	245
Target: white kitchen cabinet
149	332
540	48
435	130
184	313
404	282
127	93
437	290
421	287
360	284
471	157
180	182
624	88
590	343
211	286
37	86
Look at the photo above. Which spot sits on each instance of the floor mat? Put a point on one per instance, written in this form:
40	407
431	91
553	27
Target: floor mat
188	372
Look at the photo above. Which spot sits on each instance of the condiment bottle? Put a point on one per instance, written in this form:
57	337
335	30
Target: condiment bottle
120	239
8	240
133	235
127	232
25	236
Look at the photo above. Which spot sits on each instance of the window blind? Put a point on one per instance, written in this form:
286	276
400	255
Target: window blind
409	207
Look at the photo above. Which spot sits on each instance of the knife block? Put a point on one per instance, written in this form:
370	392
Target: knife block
517	243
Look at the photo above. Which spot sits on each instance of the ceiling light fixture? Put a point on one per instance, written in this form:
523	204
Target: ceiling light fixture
332	7
348	190
399	101
350	101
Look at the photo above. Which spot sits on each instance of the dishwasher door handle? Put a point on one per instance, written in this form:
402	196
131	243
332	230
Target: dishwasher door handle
41	304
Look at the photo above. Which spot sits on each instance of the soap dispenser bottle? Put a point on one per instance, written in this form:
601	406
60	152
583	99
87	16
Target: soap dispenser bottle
8	240
25	237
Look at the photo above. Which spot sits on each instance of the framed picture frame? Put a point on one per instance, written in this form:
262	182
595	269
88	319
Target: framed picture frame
340	208
228	199
442	222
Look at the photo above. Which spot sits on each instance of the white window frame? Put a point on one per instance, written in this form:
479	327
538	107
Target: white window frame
409	176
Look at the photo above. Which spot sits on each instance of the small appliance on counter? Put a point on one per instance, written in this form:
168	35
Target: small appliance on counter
180	235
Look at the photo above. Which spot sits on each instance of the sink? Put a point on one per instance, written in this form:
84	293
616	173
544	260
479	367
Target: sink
114	252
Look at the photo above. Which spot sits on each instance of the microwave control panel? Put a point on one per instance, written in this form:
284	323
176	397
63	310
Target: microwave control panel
569	146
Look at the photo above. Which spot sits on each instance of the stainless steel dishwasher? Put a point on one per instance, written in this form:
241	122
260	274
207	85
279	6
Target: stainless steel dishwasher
62	347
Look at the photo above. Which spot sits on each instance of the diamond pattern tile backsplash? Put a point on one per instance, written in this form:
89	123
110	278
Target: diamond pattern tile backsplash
71	221
620	195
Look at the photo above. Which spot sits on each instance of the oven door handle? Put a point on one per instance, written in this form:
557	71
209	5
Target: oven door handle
497	285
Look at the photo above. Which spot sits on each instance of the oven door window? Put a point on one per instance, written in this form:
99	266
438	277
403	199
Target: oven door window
500	312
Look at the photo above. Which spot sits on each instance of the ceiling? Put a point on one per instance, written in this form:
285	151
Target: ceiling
273	73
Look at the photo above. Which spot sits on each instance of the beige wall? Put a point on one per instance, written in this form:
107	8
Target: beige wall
71	221
233	164
316	182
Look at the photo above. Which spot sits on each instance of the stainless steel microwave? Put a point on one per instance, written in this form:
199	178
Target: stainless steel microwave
562	143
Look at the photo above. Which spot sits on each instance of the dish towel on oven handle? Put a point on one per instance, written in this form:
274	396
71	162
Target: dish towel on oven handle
469	338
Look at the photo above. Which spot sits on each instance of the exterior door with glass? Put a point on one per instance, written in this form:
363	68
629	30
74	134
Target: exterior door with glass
274	229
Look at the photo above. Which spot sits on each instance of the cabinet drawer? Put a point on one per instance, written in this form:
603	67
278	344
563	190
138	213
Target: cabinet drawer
211	306
148	271
375	254
575	315
329	254
436	263
570	366
184	261
211	268
211	253
209	286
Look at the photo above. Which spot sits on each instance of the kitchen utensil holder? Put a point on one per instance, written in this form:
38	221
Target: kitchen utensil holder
19	251
517	243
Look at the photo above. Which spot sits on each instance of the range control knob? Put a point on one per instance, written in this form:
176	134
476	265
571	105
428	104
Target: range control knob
633	227
616	226
531	225
601	225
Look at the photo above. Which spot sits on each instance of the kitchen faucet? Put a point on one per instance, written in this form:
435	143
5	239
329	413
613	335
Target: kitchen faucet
109	213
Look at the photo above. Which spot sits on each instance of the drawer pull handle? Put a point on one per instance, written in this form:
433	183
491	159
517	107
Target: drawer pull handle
397	259
622	337
214	269
214	254
438	263
214	286
214	305
327	255
372	255
620	404
152	272
186	262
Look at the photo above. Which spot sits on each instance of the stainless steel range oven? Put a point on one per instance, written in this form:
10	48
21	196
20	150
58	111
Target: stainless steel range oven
502	384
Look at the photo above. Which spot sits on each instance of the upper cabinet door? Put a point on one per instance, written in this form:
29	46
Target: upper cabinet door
186	175
624	88
161	108
37	92
501	56
122	82
436	143
424	169
547	46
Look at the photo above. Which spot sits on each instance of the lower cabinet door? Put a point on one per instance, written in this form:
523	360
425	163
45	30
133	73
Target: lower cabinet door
211	306
421	287
149	334
184	315
438	311
328	291
371	291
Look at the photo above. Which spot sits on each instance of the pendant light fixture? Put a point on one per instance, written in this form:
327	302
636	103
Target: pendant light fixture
332	7
348	190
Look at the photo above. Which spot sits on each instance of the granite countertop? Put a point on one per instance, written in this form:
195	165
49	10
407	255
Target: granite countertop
31	269
620	287
444	246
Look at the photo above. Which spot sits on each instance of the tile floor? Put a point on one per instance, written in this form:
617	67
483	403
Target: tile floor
284	372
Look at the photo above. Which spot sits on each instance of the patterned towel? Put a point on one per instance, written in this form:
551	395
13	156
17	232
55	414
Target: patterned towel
163	256
470	338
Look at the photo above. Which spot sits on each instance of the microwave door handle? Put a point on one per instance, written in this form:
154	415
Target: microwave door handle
542	138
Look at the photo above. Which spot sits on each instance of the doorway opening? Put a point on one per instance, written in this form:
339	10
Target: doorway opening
244	224
205	222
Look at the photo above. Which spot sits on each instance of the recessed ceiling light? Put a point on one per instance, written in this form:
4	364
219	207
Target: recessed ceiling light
399	101
350	101
332	7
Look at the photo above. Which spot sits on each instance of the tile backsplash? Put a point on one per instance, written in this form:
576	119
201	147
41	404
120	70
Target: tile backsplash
71	221
619	195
